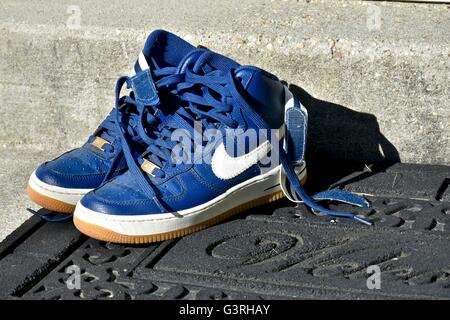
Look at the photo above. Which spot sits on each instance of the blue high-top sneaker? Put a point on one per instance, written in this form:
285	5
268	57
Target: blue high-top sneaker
59	184
238	141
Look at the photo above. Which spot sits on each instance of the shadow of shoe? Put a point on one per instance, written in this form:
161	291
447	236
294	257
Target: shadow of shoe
343	146
342	143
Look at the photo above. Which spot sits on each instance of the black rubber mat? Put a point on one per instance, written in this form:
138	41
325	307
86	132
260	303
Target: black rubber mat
276	251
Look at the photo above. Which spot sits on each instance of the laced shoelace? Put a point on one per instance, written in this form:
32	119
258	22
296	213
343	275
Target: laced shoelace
132	127
139	125
210	99
149	137
200	105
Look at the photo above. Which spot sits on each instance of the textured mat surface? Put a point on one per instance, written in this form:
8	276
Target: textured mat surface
276	251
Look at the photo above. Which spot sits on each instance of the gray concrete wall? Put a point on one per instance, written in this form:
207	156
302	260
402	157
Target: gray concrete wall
57	83
375	75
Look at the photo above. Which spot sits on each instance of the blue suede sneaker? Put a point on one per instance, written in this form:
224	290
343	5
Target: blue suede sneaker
236	141
59	184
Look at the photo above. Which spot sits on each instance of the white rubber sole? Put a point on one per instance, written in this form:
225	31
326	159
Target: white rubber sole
53	197
155	227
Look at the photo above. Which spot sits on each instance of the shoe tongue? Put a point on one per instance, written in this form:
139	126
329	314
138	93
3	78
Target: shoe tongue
162	49
140	65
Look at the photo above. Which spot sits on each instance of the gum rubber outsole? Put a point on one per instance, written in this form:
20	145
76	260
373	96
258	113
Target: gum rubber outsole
104	234
49	203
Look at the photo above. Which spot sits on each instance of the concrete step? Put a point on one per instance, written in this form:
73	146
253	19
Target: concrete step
389	60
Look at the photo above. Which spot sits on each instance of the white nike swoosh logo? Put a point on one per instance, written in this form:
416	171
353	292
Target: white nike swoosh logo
226	167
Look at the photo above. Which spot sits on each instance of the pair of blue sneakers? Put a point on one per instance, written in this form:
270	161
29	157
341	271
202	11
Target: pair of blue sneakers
197	139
